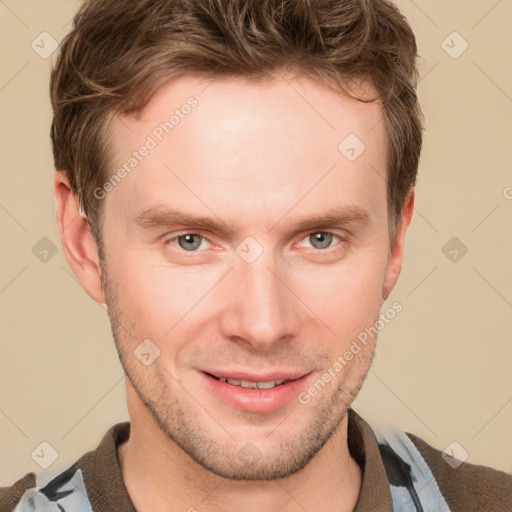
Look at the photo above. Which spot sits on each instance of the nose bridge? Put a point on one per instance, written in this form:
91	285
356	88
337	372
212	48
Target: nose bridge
261	309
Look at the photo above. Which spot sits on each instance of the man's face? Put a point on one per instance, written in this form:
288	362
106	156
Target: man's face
261	294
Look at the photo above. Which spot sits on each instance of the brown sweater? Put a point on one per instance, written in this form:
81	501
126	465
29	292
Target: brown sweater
467	488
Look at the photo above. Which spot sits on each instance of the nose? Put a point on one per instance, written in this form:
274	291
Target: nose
261	308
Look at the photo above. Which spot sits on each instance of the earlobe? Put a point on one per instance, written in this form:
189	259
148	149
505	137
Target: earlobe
394	264
76	237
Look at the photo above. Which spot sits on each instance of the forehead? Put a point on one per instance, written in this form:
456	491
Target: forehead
295	109
252	144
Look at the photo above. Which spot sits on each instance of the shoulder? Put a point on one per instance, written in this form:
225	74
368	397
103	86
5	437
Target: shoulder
46	490
10	496
67	486
466	486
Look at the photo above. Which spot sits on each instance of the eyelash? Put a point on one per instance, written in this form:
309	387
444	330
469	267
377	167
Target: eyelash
316	251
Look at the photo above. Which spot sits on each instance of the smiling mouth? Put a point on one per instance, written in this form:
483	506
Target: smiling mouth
247	384
262	392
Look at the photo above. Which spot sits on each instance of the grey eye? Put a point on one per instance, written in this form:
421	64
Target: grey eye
321	238
190	241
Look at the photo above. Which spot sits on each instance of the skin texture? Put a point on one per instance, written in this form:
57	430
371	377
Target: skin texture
256	157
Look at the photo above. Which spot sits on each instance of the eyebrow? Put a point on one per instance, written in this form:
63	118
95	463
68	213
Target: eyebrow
165	216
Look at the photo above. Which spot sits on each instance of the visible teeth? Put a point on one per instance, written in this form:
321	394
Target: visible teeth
269	385
252	385
245	384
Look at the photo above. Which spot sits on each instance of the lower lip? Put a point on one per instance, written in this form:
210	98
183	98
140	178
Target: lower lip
256	400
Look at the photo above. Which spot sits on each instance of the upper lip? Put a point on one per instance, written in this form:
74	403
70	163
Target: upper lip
267	376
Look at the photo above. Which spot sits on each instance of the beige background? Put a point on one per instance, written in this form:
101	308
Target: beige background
443	365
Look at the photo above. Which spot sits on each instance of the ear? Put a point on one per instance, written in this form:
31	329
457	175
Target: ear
76	236
395	257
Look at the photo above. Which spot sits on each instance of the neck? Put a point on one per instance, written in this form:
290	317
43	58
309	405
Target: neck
160	477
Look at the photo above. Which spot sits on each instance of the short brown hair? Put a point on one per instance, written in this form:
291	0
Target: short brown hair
119	52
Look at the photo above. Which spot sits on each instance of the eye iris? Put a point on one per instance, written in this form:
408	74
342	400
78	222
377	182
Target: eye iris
190	245
323	238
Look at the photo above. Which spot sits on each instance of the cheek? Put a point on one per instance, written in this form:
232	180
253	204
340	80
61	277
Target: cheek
158	298
346	297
